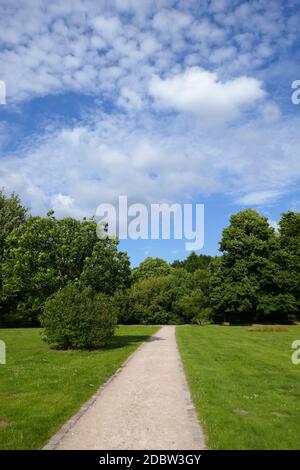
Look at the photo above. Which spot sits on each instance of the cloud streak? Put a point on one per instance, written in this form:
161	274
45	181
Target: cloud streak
76	168
97	47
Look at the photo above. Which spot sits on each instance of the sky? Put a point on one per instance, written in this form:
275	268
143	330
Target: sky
161	101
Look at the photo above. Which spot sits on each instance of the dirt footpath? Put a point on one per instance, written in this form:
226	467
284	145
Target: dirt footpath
145	406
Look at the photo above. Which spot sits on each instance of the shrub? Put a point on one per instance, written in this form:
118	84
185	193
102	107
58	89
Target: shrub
203	317
76	318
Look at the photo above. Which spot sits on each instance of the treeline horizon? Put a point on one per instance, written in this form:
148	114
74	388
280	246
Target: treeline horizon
255	279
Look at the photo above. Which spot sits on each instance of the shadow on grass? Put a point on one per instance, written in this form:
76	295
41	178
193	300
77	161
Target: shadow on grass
126	340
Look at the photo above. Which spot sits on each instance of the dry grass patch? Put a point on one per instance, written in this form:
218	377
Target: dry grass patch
3	422
268	328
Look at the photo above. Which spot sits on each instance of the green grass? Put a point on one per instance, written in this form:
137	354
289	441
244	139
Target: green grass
244	386
41	388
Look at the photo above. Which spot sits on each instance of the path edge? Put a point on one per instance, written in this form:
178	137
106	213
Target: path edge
198	433
54	441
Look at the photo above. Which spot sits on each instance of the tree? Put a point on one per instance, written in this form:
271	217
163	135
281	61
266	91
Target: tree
289	231
47	254
151	267
122	304
107	269
193	262
28	268
193	308
12	215
247	282
153	300
201	280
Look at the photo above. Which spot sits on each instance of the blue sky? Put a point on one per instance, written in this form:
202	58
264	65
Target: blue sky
163	101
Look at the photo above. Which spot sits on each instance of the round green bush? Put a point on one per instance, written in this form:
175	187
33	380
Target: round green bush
76	318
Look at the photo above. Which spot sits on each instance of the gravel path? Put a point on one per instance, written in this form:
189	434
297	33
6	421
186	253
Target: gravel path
146	405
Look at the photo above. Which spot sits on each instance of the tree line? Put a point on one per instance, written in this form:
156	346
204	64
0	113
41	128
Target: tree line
49	264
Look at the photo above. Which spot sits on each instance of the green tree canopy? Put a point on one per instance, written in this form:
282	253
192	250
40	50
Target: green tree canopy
193	262
153	299
12	215
151	267
289	231
174	298
247	282
45	254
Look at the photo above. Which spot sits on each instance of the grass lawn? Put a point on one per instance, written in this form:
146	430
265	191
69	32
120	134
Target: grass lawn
244	385
41	388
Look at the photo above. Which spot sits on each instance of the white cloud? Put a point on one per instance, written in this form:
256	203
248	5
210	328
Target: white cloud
257	198
223	53
62	201
74	169
218	5
52	48
63	206
274	225
108	27
202	60
201	92
270	111
171	21
130	99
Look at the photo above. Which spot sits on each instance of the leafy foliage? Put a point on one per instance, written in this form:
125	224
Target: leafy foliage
290	253
12	215
79	318
151	267
151	300
194	262
192	308
256	278
174	298
45	254
248	282
107	269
